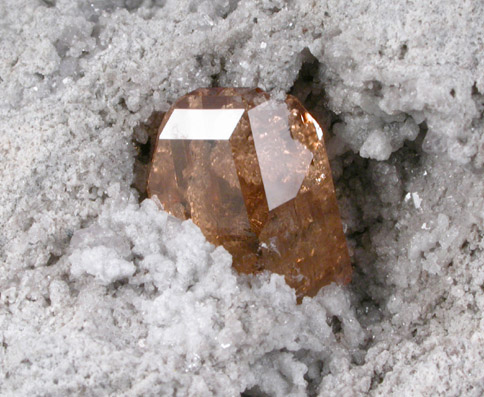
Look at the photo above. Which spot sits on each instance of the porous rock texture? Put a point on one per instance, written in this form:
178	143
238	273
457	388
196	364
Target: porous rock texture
101	294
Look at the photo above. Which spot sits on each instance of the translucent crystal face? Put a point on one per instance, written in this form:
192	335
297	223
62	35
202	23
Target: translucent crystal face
253	174
283	160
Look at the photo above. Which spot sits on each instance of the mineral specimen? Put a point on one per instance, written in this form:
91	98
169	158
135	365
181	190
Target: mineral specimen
253	174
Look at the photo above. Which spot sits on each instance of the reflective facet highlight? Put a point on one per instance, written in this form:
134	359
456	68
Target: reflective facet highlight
283	160
202	124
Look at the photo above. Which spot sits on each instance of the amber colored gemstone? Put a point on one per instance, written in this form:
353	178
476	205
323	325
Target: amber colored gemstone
253	174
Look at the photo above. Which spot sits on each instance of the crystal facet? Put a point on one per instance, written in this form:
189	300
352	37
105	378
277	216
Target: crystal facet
253	174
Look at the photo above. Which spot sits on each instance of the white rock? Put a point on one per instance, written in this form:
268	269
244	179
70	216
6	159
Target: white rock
140	302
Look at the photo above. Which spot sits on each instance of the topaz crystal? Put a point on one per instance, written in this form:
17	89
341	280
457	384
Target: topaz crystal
253	174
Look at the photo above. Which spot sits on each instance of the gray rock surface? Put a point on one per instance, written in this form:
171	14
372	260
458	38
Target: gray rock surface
102	295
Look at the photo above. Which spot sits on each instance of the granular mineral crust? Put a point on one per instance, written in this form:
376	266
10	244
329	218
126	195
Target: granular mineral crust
253	174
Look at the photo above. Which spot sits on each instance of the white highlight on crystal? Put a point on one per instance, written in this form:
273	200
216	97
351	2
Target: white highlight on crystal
319	131
417	201
283	160
198	124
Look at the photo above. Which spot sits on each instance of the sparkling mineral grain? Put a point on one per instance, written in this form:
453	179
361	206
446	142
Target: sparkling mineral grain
253	174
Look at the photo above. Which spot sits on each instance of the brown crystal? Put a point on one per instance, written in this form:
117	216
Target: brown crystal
253	174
